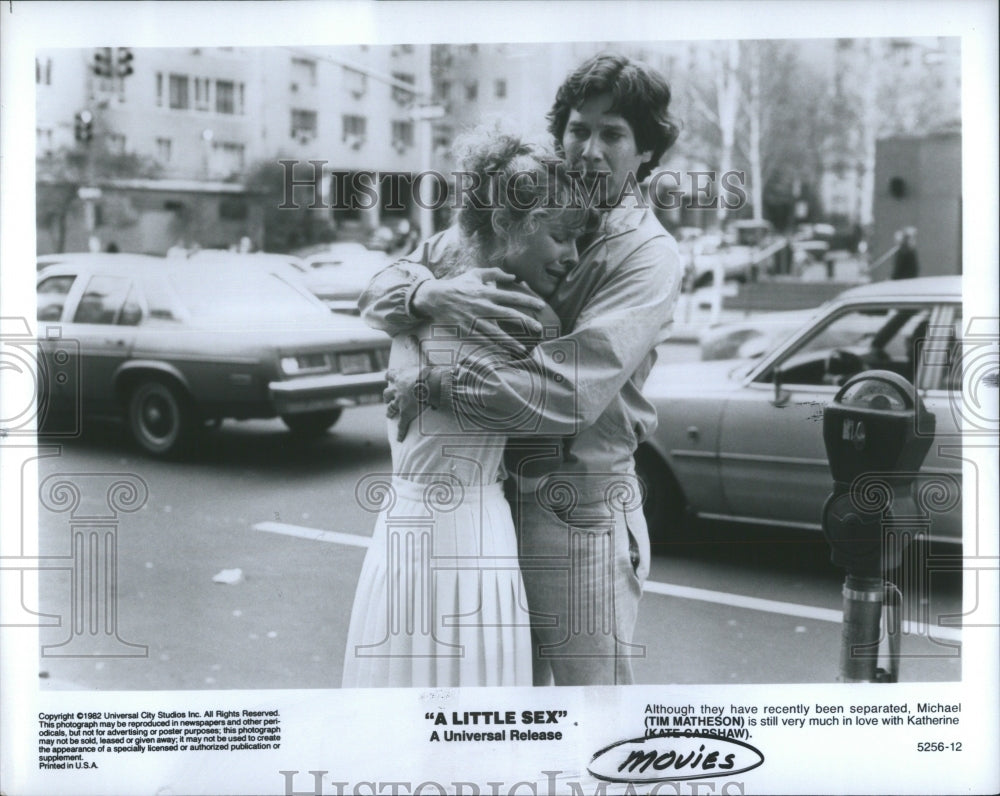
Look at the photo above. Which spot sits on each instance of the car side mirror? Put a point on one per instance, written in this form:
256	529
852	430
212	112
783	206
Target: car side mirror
780	396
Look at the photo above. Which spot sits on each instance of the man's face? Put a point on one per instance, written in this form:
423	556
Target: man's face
597	141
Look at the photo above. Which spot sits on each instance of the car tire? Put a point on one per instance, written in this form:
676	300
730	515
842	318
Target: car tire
160	418
311	424
663	502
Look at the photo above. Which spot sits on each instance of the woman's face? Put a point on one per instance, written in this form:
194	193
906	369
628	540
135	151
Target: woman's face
548	254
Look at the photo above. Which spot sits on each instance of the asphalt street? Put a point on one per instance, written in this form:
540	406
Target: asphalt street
239	569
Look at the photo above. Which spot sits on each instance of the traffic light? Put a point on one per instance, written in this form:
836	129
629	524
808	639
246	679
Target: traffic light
84	127
102	66
123	64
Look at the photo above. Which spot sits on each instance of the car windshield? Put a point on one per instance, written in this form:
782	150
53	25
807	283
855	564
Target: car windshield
237	296
884	329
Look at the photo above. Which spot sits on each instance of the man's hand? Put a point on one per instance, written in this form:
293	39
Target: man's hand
479	299
405	397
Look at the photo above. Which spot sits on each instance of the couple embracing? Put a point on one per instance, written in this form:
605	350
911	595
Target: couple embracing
513	549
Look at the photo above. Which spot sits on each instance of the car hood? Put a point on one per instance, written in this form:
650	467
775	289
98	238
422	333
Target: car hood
339	282
697	377
319	331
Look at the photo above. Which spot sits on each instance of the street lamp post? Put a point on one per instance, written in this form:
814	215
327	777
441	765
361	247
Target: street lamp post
423	115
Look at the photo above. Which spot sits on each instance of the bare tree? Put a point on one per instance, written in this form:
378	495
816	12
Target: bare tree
61	174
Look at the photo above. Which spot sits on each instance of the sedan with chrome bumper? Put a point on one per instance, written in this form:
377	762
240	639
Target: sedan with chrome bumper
174	345
742	440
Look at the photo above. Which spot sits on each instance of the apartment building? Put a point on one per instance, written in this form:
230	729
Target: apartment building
210	115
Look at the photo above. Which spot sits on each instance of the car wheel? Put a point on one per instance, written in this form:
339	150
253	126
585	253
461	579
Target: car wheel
160	418
663	502
311	424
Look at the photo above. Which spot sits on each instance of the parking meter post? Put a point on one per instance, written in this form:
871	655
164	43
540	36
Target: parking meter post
861	630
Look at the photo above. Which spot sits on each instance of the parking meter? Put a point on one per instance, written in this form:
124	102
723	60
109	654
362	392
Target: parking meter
870	434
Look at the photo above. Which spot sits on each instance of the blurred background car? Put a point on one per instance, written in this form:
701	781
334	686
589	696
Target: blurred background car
171	345
742	439
739	253
339	274
286	265
45	260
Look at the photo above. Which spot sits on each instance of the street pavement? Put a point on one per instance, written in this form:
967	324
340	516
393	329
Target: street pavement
739	606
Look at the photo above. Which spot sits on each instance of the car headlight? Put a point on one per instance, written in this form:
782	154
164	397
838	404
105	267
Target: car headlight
305	363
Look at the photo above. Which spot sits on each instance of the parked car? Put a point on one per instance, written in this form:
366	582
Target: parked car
45	260
286	265
171	345
742	440
341	272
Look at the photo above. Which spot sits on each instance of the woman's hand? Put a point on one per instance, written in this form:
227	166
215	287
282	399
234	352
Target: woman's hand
478	299
405	397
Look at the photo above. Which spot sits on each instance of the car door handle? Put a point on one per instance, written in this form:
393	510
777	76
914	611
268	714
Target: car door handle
693	433
112	341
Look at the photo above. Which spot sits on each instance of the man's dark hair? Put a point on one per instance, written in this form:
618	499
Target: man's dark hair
639	94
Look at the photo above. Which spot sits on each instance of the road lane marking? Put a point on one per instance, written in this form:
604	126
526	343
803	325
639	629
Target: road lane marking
651	587
788	609
314	534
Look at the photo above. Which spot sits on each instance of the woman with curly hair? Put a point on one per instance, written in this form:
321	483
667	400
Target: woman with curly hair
440	598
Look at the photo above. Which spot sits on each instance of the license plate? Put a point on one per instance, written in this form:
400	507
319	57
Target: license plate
355	363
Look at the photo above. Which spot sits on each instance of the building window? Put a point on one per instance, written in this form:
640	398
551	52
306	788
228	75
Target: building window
43	72
355	81
443	90
201	93
179	99
159	89
472	91
402	49
240	97
164	150
444	135
500	88
116	143
401	95
402	134
355	128
303	73
225	96
228	157
43	140
304	124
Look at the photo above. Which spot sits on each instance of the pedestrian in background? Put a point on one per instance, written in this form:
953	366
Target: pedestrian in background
905	264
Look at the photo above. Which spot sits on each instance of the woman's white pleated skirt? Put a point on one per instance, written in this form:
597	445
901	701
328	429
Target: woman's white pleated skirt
439	601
